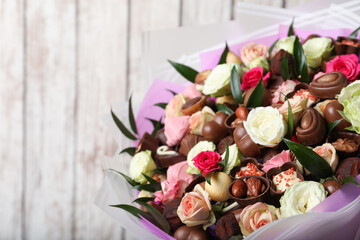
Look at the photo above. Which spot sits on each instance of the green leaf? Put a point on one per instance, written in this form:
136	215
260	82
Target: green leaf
155	184
238	237
185	71
143	199
154	122
332	125
328	178
310	159
290	121
284	67
162	105
224	108
235	86
159	218
343	115
272	47
256	96
171	91
129	150
291	29
300	61
208	179
122	128
132	210
349	179
131	117
217	207
224	54
145	187
158	126
354	33
223	164
351	128
127	178
160	170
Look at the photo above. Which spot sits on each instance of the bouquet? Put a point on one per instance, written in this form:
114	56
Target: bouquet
265	136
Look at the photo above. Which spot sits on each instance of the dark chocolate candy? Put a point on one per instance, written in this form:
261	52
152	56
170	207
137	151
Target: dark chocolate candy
343	48
265	100
147	142
198	179
331	186
165	157
220	118
245	144
170	213
276	62
188	142
348	167
191	233
274	82
331	114
227	226
160	136
221	147
311	36
215	130
347	144
312	128
268	154
328	85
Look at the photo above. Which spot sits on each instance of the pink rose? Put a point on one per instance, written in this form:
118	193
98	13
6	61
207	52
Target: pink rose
255	216
207	161
277	160
175	129
347	64
328	152
251	51
195	208
173	108
191	92
198	120
252	77
280	93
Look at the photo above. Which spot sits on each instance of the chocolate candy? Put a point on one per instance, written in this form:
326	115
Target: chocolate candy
346	45
254	186
227	226
202	76
331	186
274	82
215	130
243	141
190	233
269	153
193	105
239	189
198	180
220	118
348	167
346	143
277	59
160	136
221	147
165	157
188	142
170	213
265	100
311	36
147	142
241	113
331	114
312	128
328	85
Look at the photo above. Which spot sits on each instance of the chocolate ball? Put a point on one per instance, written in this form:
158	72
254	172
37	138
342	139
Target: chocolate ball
212	131
331	186
220	118
312	128
227	226
265	100
239	189
190	233
331	114
202	76
328	85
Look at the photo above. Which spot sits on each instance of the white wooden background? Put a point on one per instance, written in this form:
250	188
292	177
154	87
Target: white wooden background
62	64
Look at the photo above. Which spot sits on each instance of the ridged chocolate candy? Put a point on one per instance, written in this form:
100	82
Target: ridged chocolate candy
348	167
343	48
331	114
328	85
312	128
170	213
191	233
243	141
227	226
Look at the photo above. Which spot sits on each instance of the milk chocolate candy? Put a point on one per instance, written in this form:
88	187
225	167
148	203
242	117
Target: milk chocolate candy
188	142
193	105
245	144
328	85
191	233
347	144
331	114
147	142
166	157
265	100
170	213
348	167
215	130
160	136
221	147
312	128
276	62
331	186
227	226
346	45
274	82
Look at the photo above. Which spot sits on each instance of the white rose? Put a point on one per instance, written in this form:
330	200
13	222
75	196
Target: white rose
218	82
301	197
265	126
234	158
142	162
201	146
286	43
317	49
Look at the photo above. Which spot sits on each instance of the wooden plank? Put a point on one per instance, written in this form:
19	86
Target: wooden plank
11	110
147	15
101	82
206	11
50	108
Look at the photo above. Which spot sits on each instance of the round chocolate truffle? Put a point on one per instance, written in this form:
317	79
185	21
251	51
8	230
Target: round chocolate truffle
331	186
328	85
331	114
245	144
190	233
213	131
312	128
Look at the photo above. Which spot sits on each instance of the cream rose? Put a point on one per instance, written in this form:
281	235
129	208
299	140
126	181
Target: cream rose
260	62
286	43
218	82
301	197
317	49
252	51
256	216
141	163
201	146
234	158
328	152
198	119
298	106
195	208
266	126
173	108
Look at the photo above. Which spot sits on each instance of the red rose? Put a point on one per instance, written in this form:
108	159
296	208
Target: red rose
347	64
252	77
207	161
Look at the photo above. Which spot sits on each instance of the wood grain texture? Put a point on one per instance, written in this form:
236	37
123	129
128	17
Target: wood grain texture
11	127
102	42
50	108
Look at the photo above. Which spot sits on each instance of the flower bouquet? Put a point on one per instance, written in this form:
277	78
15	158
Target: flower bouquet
263	143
